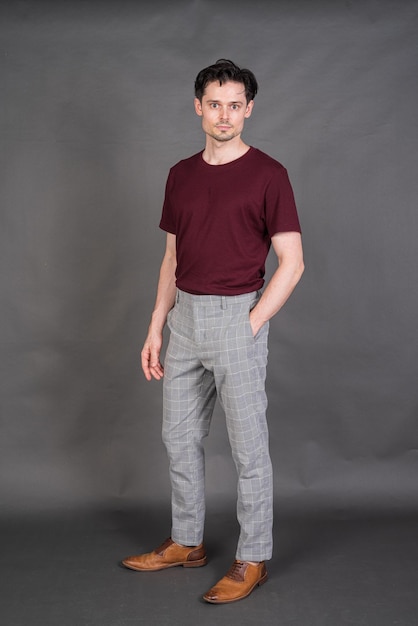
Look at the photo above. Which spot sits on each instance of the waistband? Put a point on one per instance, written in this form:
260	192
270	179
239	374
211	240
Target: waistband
222	301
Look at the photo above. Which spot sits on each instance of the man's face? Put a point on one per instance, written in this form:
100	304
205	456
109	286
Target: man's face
223	110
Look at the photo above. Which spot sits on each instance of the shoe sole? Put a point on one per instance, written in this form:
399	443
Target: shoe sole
199	563
257	584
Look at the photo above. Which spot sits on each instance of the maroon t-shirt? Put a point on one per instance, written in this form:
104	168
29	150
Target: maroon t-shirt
223	217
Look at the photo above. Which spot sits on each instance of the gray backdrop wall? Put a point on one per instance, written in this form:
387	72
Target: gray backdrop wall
96	105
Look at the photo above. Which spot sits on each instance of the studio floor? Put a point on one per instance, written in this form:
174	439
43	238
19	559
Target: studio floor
63	569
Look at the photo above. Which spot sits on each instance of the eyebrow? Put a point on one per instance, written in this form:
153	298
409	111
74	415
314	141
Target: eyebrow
231	102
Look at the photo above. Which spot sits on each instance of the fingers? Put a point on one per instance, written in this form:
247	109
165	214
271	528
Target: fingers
157	370
151	365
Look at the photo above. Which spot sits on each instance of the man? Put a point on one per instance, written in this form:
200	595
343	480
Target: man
223	209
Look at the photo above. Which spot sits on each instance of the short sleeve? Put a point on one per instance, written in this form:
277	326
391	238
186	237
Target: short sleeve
168	221
280	208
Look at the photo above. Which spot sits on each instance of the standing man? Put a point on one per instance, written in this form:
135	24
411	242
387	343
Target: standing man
223	209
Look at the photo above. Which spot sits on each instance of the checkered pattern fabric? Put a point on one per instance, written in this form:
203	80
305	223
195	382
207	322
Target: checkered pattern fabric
212	353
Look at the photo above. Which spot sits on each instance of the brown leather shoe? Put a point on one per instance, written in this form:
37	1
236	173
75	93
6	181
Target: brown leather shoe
238	583
169	554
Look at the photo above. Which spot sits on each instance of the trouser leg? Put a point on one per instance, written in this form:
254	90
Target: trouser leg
240	379
189	397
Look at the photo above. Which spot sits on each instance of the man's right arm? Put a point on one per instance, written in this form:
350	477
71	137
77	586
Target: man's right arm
166	294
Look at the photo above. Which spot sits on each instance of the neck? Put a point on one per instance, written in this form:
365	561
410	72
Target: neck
221	152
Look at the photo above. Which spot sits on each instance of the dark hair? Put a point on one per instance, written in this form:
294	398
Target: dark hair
225	71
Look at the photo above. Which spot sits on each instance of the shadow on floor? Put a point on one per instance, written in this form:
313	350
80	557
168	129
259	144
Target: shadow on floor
64	568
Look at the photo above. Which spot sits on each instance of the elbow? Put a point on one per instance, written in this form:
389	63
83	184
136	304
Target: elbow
299	269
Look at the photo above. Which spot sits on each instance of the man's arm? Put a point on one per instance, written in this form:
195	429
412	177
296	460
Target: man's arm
288	248
166	293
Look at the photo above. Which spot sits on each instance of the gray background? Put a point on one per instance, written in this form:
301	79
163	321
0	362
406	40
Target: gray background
96	104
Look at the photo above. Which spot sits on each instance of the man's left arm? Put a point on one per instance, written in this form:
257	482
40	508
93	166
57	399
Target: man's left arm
288	249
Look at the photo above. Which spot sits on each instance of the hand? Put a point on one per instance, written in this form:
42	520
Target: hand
150	357
255	325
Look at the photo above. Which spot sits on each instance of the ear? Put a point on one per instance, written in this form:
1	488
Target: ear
249	108
198	107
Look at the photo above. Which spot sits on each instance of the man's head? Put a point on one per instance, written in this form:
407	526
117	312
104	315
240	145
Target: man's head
224	71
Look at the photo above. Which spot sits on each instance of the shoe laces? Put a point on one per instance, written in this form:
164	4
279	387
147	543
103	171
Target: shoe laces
236	571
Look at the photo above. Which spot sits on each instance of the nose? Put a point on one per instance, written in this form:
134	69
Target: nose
224	113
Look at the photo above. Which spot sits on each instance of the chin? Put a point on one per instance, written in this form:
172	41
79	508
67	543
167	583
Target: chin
223	137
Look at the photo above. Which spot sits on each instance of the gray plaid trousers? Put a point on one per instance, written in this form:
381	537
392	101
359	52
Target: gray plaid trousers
212	352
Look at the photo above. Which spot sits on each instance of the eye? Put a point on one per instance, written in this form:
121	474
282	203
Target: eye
214	105
235	107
